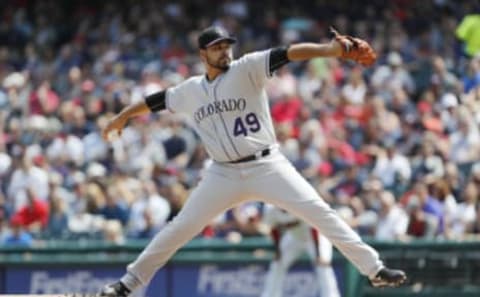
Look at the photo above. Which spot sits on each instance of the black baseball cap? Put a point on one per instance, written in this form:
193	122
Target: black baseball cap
213	35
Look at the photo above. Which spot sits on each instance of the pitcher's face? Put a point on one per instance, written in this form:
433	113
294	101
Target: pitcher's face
218	55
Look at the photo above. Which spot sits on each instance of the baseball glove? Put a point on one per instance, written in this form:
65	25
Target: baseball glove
355	49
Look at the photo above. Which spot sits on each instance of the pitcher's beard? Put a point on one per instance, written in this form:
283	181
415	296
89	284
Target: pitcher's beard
218	66
221	67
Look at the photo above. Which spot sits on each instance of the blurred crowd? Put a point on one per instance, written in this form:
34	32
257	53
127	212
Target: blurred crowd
394	148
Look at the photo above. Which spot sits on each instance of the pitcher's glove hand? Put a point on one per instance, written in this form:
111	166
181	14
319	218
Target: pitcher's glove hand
355	49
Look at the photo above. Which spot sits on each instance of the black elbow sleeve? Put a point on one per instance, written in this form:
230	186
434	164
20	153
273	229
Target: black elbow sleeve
278	58
156	102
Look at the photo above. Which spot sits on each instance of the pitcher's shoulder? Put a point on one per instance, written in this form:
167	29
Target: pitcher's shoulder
190	82
196	79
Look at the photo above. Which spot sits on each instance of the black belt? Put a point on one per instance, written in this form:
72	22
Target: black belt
253	157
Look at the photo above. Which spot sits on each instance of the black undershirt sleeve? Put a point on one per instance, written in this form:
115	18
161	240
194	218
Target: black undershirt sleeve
278	58
156	101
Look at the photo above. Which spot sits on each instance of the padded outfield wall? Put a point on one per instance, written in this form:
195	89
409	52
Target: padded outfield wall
214	268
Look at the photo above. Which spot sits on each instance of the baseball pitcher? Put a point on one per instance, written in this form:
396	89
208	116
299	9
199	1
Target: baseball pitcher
229	110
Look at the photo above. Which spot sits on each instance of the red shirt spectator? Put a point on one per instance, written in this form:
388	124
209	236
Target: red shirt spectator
286	110
36	211
44	100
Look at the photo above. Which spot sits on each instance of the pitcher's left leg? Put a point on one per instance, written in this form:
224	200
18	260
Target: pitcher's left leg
283	186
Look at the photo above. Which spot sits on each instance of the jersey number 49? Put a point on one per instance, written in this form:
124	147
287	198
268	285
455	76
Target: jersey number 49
242	127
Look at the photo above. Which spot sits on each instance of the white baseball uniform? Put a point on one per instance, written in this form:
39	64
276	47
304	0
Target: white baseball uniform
231	115
292	243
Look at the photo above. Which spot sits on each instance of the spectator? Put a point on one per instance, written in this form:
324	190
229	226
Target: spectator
309	83
429	207
307	160
420	223
471	79
44	100
288	144
26	175
355	90
113	232
465	142
466	213
114	208
466	32
149	212
441	191
34	215
176	194
428	163
18	236
58	220
393	221
442	81
392	168
473	229
449	112
349	185
387	122
283	87
392	76
360	218
149	228
454	178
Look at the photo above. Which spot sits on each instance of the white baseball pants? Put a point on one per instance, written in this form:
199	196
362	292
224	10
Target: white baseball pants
271	179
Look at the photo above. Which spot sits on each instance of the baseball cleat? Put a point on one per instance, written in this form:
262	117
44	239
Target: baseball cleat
117	289
387	277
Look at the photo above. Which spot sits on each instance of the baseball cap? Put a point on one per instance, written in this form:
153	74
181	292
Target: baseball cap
213	35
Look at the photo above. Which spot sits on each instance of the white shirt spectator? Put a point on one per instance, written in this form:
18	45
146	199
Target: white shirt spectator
354	94
393	76
309	84
75	149
312	129
97	148
391	226
35	178
464	215
386	169
464	146
156	204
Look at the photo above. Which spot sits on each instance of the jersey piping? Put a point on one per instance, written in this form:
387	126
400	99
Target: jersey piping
222	119
218	138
